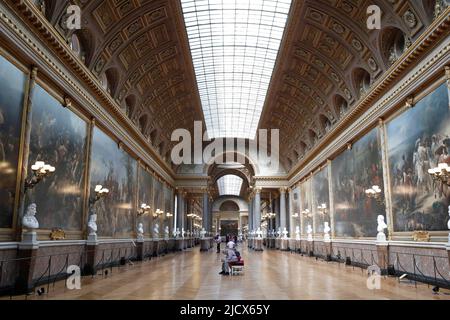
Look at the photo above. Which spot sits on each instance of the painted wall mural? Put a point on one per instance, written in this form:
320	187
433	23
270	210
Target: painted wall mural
321	197
305	206
418	140
353	172
58	137
295	209
145	196
12	87
158	200
115	169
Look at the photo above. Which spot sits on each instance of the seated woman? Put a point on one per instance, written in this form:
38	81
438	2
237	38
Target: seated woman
230	256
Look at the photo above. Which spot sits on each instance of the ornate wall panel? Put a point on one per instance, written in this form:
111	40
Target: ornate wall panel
321	196
306	206
353	172
158	201
145	197
114	169
418	140
295	209
58	137
12	87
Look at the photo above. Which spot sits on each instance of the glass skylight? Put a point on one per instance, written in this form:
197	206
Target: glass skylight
234	46
230	185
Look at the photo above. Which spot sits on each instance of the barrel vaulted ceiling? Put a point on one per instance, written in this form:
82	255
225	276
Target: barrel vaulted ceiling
327	62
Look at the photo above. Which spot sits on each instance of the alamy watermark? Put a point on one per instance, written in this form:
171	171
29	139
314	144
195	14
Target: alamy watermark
189	150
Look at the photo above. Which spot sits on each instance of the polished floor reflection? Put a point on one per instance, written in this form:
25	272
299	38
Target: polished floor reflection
268	275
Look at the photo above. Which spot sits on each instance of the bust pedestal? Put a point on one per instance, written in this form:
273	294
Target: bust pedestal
179	244
258	244
284	244
205	244
140	249
277	243
383	255
27	253
310	247
327	247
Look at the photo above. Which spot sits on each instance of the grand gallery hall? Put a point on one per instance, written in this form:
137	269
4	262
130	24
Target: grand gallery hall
224	150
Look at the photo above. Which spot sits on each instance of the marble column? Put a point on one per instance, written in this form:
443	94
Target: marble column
206	217
258	242
180	214
283	209
257	212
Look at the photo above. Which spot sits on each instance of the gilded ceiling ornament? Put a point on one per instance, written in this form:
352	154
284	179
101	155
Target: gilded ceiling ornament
357	44
372	64
338	28
347	7
410	19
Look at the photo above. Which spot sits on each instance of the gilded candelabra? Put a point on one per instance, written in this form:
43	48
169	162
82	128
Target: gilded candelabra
40	170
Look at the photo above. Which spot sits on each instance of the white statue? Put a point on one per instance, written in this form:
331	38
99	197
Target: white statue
259	233
326	230
156	230
285	233
177	233
183	233
29	220
297	233
279	233
166	232
140	231
381	236
203	233
309	232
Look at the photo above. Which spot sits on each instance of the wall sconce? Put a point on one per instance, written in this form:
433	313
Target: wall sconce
40	171
307	214
144	209
375	193
322	209
295	215
441	173
169	215
157	213
100	192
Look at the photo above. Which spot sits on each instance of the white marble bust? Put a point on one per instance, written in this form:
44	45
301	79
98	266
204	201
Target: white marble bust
259	233
326	230
29	220
285	233
166	232
297	233
309	232
140	231
156	230
381	236
279	233
176	232
92	224
183	233
203	233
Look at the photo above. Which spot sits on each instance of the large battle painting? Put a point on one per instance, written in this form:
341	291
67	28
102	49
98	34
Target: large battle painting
353	172
295	210
305	206
321	200
158	200
114	169
146	197
418	140
58	137
12	86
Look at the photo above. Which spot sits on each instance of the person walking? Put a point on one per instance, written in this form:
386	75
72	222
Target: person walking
218	241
